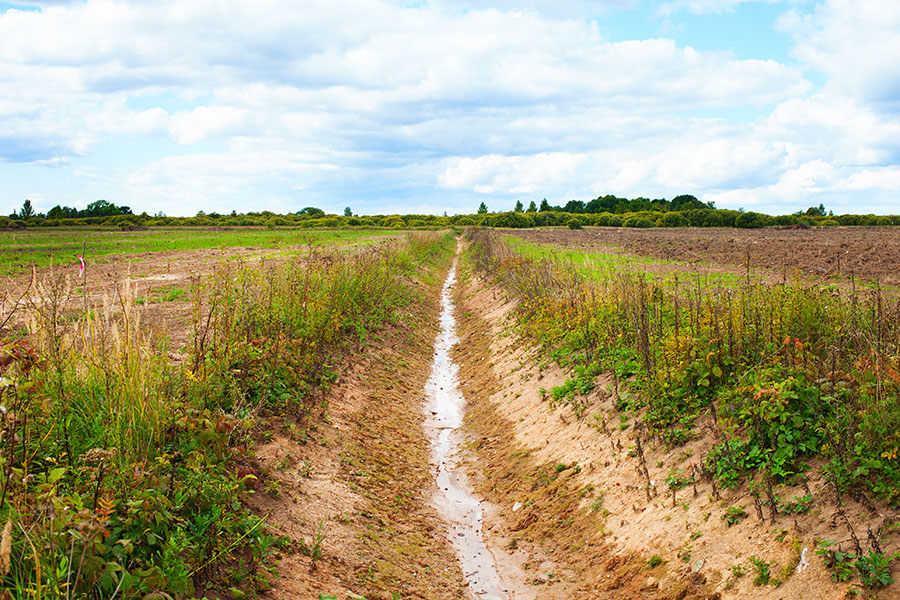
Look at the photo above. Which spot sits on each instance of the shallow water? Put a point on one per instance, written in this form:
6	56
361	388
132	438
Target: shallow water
460	510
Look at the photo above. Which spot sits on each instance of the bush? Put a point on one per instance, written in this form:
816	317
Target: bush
511	219
574	224
672	219
638	223
751	220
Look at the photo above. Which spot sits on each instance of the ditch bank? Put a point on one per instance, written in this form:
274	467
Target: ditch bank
348	491
572	515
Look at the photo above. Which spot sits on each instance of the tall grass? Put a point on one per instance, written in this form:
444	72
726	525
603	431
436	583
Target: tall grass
787	372
121	472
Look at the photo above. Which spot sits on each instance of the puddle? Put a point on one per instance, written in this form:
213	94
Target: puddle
460	510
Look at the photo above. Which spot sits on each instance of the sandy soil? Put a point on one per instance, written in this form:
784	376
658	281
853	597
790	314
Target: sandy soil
867	253
571	489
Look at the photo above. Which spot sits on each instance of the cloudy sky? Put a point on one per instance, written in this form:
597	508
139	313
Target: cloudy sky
426	106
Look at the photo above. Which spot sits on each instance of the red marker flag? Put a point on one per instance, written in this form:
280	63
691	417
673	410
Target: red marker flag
81	270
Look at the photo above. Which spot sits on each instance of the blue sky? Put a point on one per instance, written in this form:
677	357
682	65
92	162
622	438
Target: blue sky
435	106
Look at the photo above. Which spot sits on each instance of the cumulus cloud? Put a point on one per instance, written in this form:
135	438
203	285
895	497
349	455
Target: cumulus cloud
374	101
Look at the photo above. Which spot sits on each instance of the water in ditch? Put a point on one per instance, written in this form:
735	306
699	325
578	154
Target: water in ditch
454	500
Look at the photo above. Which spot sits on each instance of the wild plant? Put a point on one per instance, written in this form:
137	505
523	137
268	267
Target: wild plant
783	371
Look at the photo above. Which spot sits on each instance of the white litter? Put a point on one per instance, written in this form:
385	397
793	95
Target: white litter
803	562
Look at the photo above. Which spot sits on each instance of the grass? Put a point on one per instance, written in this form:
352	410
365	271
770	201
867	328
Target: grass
786	372
19	250
599	265
122	474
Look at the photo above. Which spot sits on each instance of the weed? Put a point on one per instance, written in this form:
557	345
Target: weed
761	568
315	549
787	371
874	570
734	515
655	561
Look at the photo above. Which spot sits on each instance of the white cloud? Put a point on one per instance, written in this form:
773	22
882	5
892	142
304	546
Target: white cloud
855	44
326	99
704	7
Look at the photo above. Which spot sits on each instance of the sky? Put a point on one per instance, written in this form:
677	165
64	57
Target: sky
434	106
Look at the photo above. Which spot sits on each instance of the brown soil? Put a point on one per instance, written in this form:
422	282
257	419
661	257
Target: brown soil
570	488
867	253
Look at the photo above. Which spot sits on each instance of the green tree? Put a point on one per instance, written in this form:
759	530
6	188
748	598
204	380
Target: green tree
101	208
532	207
519	207
348	212
574	206
545	206
312	212
27	210
816	211
685	202
482	209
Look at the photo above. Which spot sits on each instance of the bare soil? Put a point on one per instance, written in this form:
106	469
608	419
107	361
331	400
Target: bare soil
871	254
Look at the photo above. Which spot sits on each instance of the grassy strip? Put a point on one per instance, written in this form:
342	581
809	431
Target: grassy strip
121	475
19	250
787	372
600	266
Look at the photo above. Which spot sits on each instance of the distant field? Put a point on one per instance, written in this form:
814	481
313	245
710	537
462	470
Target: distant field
19	250
871	255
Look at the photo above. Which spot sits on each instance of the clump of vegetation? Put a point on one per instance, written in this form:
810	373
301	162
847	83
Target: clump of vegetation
121	474
761	568
872	568
787	371
734	515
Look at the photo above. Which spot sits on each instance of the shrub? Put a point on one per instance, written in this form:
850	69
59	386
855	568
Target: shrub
751	220
672	219
638	223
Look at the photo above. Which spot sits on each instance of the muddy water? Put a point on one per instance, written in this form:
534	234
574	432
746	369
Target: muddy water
454	500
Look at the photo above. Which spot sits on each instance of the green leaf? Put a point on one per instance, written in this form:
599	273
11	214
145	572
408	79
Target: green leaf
56	474
717	370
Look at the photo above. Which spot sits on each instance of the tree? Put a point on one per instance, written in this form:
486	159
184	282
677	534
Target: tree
532	207
312	212
812	211
27	210
685	202
348	212
519	207
55	213
482	209
545	206
574	206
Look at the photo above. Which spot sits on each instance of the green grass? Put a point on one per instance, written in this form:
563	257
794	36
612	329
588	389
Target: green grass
19	250
598	265
131	473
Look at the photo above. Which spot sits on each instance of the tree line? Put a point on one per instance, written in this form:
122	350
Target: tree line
605	211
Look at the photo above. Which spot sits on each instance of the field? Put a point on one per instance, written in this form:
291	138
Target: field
670	413
19	250
747	376
868	254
